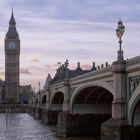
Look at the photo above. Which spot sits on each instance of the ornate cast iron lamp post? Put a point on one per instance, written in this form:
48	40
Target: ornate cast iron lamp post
119	33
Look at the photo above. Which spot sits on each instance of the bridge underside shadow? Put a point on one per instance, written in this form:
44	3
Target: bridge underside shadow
134	133
43	102
93	100
50	116
57	102
136	115
90	108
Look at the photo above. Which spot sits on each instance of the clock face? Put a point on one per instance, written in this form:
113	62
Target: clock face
11	45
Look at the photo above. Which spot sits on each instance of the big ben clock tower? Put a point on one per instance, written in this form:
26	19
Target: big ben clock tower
12	54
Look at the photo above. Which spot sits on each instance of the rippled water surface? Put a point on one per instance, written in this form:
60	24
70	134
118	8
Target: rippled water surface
22	126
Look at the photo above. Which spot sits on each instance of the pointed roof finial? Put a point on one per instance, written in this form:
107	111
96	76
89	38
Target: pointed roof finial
12	10
12	5
12	21
12	32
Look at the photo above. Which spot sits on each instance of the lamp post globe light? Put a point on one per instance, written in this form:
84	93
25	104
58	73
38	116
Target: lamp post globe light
119	32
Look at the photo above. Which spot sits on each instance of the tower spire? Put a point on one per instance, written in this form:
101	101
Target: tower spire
12	32
12	22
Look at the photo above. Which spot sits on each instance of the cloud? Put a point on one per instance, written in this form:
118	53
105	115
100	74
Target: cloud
51	67
35	60
25	71
80	9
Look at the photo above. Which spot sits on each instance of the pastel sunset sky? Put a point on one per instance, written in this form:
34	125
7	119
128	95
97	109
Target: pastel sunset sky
52	31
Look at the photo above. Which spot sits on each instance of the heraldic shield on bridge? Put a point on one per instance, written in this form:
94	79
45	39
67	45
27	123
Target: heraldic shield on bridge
102	101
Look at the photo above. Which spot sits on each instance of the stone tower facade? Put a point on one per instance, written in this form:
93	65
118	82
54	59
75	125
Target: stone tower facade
12	62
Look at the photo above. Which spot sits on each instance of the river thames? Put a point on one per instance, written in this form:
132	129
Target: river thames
22	126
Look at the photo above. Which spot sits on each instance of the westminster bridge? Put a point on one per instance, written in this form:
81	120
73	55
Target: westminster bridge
101	101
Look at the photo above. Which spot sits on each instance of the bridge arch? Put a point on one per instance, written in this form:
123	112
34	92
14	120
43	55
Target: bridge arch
102	85
57	101
134	107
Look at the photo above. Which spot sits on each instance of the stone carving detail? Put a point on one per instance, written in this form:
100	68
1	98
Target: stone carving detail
111	83
134	82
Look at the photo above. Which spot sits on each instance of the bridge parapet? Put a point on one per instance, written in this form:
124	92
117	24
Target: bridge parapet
94	74
133	61
56	86
90	76
100	72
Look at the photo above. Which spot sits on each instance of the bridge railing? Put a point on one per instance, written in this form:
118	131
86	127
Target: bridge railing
99	72
103	71
107	71
133	61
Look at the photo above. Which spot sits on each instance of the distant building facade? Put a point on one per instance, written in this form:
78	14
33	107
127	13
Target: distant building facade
25	93
63	72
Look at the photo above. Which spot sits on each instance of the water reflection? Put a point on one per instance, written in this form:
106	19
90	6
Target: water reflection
22	126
